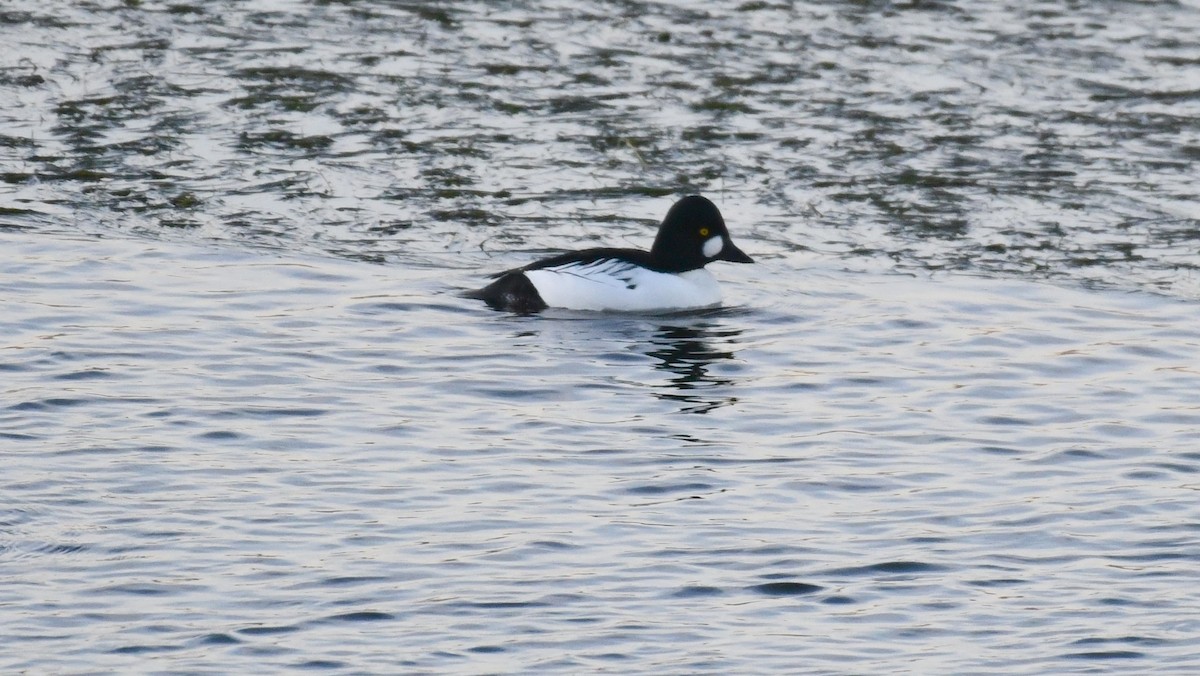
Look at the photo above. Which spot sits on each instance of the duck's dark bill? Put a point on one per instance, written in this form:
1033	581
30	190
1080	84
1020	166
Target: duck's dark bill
733	254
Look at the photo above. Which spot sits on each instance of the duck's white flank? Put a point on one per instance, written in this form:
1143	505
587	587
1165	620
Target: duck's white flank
618	285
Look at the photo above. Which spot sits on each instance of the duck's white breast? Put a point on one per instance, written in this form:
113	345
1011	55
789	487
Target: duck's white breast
617	285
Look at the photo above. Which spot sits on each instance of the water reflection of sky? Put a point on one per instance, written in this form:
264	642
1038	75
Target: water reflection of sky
352	450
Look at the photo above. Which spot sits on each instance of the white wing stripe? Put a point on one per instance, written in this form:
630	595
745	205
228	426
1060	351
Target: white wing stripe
602	271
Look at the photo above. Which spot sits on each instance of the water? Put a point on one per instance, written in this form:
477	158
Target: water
947	423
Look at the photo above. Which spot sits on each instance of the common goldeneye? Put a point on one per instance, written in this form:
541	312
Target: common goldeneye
671	276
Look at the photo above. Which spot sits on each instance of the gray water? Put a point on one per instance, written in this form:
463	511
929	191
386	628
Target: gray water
948	423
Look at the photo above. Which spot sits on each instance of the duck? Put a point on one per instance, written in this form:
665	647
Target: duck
671	276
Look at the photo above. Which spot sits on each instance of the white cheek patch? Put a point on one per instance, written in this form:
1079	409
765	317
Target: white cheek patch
713	246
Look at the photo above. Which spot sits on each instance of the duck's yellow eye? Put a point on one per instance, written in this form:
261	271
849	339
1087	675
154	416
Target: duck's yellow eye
704	232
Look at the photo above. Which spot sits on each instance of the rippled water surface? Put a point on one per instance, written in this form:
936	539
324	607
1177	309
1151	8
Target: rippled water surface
949	422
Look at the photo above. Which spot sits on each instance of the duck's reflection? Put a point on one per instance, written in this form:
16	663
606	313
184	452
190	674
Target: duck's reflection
687	353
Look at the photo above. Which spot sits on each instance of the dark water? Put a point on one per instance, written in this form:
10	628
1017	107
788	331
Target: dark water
1038	139
948	424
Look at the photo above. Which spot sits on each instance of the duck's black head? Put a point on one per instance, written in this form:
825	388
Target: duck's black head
693	235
